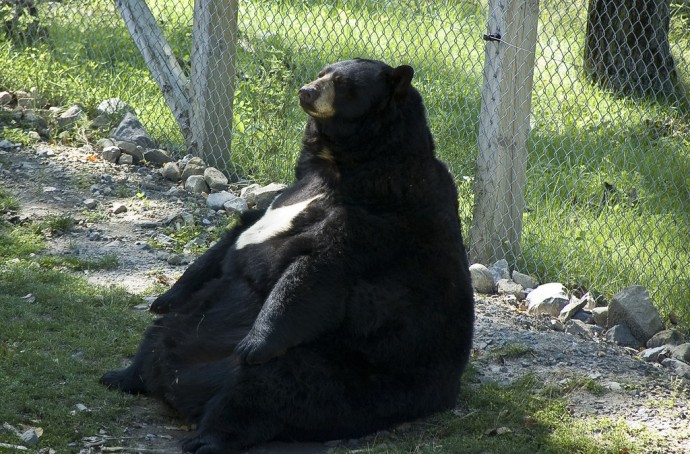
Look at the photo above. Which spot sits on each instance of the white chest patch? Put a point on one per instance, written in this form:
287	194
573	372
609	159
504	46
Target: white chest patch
272	223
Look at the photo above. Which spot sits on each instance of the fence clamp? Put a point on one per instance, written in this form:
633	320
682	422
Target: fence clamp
491	37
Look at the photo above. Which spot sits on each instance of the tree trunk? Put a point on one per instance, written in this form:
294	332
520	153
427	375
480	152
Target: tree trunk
627	47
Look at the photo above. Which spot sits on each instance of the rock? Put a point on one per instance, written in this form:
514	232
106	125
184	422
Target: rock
681	352
601	316
217	200
69	117
111	154
132	149
35	120
215	179
547	299
509	287
5	98
500	270
621	335
238	205
178	259
6	145
196	184
25	101
131	130
90	203
633	307
556	325
261	197
113	106
30	437
570	309
665	337
583	316
125	159
195	166
482	278
157	156
119	208
576	327
102	143
656	354
525	280
171	171
678	367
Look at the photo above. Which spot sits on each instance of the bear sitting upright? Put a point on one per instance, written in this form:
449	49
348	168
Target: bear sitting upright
344	308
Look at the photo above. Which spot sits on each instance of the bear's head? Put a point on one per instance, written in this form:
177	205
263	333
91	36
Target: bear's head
353	89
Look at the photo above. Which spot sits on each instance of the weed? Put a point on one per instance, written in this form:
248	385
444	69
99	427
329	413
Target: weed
509	351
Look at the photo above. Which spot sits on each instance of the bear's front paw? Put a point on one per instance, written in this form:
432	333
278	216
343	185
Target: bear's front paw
257	351
206	443
124	380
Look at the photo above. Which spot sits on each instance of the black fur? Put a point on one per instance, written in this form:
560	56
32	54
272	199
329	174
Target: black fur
358	317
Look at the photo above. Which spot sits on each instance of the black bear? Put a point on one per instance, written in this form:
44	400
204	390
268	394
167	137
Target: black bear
344	308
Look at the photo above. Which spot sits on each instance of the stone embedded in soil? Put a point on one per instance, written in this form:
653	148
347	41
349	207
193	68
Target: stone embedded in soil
157	156
665	337
215	179
681	352
678	367
621	335
5	98
90	203
500	270
119	208
527	281
130	129
195	166
111	154
171	171
217	200
196	184
633	308
509	287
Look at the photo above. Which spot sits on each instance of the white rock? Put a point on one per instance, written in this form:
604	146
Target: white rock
482	278
548	299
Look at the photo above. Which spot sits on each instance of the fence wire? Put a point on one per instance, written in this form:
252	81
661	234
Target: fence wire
607	198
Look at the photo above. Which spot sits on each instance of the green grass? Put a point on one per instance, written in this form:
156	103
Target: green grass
54	346
518	418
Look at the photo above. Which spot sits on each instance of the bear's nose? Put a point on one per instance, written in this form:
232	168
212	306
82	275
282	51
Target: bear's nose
307	95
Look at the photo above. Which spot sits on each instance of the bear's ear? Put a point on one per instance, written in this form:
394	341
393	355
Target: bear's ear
402	78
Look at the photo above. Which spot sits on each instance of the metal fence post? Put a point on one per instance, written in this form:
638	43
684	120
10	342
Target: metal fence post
503	130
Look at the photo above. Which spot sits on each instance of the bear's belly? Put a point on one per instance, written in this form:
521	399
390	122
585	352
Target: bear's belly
275	221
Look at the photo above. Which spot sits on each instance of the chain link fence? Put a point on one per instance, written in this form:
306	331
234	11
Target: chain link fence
607	199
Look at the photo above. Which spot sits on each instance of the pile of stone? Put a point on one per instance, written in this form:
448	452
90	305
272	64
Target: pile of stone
630	319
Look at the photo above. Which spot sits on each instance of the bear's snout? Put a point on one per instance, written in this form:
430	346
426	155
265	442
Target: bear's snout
316	98
307	95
